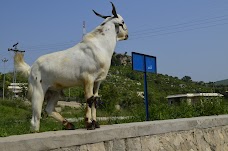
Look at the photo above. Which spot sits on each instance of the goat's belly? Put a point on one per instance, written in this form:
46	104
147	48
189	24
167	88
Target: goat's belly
61	83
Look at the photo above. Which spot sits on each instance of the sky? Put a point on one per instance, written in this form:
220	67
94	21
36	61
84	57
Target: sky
189	38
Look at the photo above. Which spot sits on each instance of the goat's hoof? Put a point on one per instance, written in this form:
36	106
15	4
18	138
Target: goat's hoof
90	126
34	131
96	124
69	126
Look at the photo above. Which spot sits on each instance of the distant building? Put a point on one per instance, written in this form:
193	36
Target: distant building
17	88
192	98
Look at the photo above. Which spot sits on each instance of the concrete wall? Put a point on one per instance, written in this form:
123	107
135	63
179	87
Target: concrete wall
191	134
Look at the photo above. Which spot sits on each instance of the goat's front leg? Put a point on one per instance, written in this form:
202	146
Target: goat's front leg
95	103
88	88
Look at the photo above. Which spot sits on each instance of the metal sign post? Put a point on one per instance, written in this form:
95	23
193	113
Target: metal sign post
144	63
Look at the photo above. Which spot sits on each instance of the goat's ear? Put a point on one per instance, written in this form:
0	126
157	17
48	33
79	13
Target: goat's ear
100	15
114	10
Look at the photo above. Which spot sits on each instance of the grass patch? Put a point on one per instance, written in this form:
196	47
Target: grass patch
15	115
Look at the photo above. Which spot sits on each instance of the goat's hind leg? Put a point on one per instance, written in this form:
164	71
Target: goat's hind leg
52	98
37	102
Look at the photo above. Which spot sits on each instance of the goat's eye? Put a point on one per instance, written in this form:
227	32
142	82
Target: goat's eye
122	22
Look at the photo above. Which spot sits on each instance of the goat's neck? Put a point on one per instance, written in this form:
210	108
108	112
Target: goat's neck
103	36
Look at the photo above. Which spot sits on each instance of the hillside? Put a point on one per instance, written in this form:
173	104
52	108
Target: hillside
123	85
159	86
222	82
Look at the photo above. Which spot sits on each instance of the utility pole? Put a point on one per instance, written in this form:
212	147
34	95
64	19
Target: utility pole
4	78
15	50
83	29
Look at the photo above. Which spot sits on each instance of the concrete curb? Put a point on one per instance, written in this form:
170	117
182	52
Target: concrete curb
61	139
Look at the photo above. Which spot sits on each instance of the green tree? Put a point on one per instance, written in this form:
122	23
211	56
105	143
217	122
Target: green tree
187	79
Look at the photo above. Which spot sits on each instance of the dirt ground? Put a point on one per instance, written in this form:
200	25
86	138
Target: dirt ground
70	104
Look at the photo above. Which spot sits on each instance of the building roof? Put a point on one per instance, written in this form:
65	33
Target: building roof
18	84
17	87
188	95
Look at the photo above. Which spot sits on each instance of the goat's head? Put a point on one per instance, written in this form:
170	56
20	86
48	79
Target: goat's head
117	20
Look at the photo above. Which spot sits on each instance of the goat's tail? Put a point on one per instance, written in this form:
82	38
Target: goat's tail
20	65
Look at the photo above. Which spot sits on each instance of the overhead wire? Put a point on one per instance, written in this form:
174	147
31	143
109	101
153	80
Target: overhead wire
149	32
180	27
187	24
211	11
48	46
144	33
168	33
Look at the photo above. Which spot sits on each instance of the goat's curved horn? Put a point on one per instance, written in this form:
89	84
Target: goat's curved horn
100	15
114	10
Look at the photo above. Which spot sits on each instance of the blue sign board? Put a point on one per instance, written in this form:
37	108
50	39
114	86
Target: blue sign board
137	62
144	63
151	65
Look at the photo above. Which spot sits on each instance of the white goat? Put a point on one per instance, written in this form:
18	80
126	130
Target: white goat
86	64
